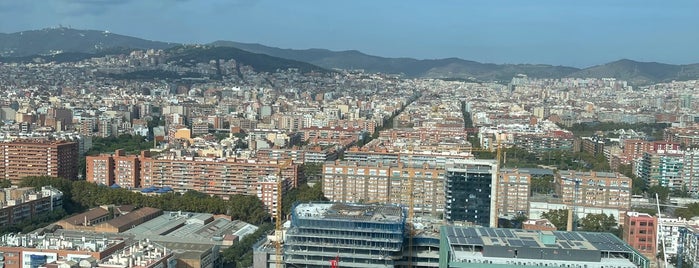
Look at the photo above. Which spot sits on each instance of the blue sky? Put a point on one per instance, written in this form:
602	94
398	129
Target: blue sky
574	33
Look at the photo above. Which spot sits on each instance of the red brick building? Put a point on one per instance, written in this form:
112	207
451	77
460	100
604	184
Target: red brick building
23	158
119	168
640	231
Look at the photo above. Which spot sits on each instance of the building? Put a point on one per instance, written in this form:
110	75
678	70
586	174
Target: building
640	231
145	254
321	232
85	220
514	189
539	225
119	168
32	250
602	190
23	158
593	145
218	177
268	190
195	239
490	247
471	190
19	204
378	182
663	168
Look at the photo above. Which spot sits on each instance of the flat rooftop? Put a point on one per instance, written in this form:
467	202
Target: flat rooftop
352	212
175	226
492	245
481	236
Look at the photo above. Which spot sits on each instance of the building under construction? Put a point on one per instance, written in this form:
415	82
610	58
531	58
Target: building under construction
351	235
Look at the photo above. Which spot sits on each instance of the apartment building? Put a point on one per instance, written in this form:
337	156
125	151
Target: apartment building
19	204
211	176
118	168
33	157
513	192
640	231
268	190
595	189
377	182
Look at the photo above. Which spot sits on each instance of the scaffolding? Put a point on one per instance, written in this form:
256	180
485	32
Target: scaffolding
356	235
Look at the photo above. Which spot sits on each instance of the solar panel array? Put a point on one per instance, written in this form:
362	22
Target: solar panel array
607	242
564	240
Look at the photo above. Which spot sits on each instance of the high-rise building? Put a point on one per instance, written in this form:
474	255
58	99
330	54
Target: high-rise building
119	168
22	158
471	188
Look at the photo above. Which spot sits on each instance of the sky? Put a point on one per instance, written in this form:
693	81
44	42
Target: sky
578	33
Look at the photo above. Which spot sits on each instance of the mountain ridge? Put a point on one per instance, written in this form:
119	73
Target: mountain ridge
50	41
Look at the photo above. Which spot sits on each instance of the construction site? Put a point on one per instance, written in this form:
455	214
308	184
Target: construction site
358	235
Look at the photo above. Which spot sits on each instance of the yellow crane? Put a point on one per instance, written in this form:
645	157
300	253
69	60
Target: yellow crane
411	212
278	216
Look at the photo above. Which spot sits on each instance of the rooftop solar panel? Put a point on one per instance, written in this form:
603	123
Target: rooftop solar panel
515	242
530	243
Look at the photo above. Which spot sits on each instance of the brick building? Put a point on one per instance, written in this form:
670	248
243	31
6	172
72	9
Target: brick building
640	231
119	168
23	158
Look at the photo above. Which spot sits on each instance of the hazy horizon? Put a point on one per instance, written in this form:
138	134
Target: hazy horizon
579	34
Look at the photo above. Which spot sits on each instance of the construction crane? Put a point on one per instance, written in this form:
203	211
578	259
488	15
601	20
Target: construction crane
680	246
411	212
278	216
572	209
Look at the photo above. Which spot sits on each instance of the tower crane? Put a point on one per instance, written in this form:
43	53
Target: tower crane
411	212
572	209
278	216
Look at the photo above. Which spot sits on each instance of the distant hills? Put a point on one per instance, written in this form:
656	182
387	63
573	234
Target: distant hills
49	41
438	68
641	73
78	44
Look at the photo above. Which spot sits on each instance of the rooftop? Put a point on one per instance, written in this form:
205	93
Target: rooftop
174	226
354	212
91	243
471	244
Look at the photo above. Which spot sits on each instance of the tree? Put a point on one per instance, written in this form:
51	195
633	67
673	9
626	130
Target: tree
559	218
663	192
692	210
5	183
542	185
598	223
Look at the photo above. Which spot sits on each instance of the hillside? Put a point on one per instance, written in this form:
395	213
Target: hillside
75	44
439	68
640	73
53	40
188	55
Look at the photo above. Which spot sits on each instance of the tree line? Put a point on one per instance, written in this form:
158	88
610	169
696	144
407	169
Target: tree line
78	196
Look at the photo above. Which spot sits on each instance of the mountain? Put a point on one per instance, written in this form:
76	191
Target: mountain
79	44
189	55
53	40
439	68
641	73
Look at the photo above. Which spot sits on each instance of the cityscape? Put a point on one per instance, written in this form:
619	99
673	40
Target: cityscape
117	151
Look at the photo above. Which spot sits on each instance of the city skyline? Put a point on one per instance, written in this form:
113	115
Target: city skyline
545	32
